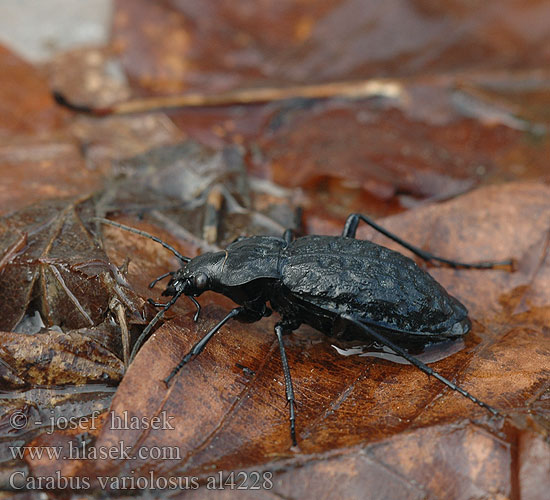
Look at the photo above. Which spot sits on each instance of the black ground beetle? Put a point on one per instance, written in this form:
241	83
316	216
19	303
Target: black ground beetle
337	284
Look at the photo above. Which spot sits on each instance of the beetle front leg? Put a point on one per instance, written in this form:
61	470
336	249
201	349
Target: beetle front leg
350	229
288	383
161	277
198	306
201	344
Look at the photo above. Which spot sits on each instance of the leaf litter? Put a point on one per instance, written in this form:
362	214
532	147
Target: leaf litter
490	122
58	327
221	416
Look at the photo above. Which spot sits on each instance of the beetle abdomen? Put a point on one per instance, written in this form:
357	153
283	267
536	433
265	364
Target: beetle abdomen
358	277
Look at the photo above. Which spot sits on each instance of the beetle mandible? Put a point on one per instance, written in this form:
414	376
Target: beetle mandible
336	284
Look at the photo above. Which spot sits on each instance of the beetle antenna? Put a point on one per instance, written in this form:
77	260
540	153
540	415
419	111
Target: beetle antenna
181	257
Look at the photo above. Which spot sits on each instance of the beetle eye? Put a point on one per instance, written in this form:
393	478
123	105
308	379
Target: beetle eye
201	280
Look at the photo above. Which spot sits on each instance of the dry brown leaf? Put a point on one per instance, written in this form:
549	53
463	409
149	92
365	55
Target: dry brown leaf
55	279
52	263
470	110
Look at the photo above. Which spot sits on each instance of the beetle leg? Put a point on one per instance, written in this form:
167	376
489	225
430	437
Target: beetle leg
292	233
156	304
201	344
350	229
288	383
288	236
161	277
198	306
416	362
153	322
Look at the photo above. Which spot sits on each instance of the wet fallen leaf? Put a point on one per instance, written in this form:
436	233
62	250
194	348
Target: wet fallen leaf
55	278
87	72
348	153
176	46
119	137
56	358
456	121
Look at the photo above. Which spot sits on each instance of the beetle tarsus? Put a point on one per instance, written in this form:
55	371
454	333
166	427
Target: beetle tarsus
176	370
455	387
288	383
293	424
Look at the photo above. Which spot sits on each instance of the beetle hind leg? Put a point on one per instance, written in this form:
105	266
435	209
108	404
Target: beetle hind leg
353	220
416	362
288	383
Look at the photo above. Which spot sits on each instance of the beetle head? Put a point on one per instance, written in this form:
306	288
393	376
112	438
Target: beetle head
197	276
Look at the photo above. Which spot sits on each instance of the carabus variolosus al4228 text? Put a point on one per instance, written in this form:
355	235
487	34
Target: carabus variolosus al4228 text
337	284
